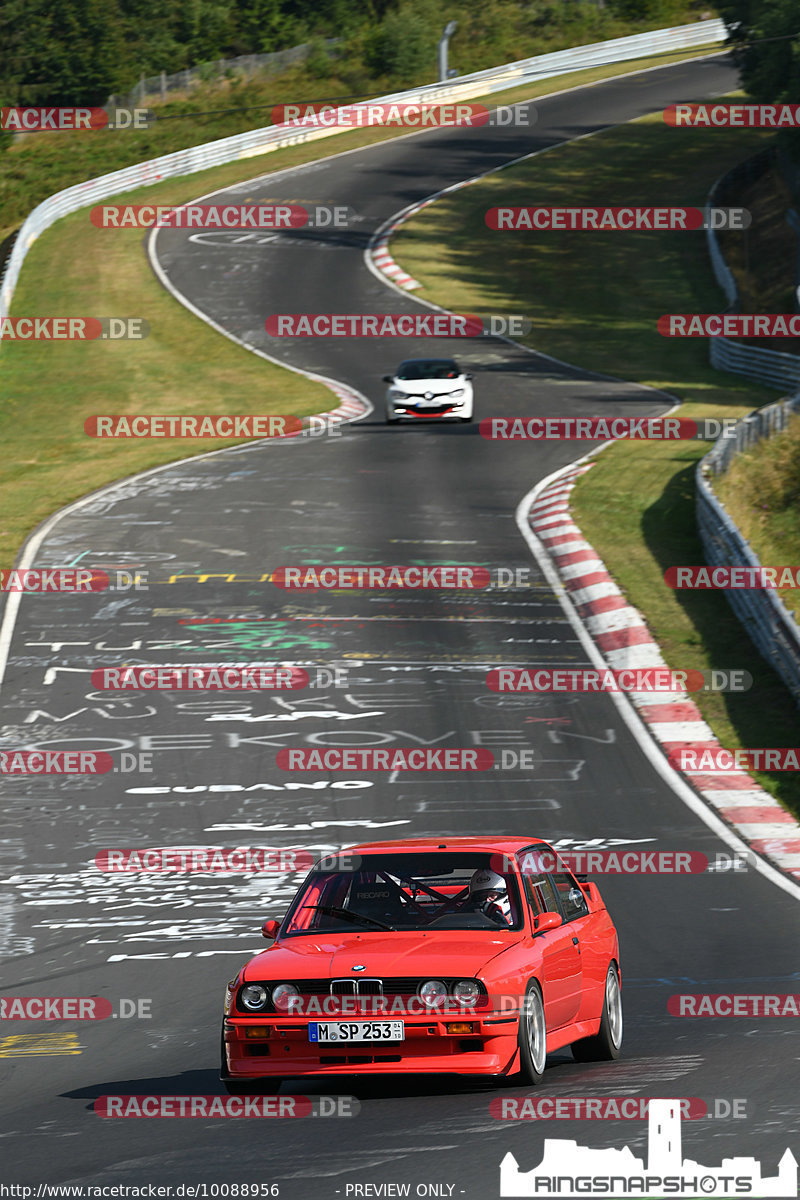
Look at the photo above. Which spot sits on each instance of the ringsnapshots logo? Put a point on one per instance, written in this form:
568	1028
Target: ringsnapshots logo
542	219
569	1170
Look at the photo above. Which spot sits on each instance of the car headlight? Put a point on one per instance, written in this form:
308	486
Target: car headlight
283	995
396	394
466	991
254	997
457	394
433	992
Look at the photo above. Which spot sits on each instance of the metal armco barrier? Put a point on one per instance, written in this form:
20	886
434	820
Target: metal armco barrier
262	141
776	368
763	614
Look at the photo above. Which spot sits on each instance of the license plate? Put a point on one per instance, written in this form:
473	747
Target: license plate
328	1032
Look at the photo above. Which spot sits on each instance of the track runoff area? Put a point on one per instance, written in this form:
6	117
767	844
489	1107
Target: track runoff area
124	886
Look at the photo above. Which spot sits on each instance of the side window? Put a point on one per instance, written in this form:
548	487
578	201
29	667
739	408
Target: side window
541	896
571	896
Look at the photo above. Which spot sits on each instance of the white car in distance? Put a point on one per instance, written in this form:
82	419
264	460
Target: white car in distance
423	388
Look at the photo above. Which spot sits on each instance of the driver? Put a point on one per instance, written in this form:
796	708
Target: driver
488	894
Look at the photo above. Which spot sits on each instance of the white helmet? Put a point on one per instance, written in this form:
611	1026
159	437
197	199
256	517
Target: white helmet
481	886
484	880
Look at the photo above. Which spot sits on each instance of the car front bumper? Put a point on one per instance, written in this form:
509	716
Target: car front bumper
282	1048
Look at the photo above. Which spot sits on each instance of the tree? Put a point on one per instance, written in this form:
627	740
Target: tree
765	35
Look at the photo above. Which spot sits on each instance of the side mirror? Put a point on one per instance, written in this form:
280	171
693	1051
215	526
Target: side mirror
469	376
545	921
270	928
388	378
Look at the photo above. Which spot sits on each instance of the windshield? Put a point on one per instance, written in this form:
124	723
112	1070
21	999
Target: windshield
402	892
428	368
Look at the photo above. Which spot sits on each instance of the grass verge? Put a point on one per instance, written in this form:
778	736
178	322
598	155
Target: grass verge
48	389
594	300
761	491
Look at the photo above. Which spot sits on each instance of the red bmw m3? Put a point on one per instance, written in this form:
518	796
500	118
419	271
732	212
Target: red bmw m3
466	955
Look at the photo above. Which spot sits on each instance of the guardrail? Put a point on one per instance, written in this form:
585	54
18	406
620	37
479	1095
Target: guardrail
763	614
776	368
262	141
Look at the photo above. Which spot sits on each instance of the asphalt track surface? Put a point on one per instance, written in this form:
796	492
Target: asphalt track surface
206	531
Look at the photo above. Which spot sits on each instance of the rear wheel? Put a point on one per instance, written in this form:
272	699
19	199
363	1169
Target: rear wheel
607	1042
532	1036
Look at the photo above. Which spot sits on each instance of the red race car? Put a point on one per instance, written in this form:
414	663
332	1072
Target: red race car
468	956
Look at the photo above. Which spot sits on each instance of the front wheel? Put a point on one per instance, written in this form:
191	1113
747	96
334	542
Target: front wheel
532	1036
607	1042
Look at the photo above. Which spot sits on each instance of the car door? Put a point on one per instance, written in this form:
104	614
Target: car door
561	977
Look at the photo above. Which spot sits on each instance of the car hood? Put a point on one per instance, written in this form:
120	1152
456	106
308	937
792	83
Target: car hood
418	387
332	956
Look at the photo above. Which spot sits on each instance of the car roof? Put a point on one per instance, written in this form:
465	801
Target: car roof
406	361
486	844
